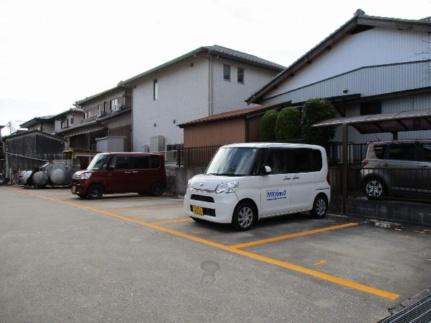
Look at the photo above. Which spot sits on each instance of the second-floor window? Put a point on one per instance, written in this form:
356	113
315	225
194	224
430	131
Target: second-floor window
240	75
155	90
64	123
226	72
115	105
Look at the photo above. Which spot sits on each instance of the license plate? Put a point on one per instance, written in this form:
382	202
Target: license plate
197	210
73	189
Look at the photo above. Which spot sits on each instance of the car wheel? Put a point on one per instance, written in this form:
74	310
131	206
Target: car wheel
157	189
82	196
244	216
95	191
198	220
374	188
320	207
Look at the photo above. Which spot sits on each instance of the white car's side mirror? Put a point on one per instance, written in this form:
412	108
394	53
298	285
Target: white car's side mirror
268	170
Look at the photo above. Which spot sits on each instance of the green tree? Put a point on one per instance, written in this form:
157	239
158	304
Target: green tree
316	110
288	125
267	125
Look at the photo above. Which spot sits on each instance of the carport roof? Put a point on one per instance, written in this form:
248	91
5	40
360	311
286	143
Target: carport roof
388	122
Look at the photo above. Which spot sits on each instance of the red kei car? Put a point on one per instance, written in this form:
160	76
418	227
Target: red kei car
121	173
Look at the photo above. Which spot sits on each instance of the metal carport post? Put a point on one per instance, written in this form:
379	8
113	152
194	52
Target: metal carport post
376	123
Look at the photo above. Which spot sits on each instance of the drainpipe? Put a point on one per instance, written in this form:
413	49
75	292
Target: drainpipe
210	85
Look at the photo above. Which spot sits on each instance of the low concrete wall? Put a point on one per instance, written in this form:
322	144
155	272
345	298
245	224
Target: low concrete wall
392	210
177	178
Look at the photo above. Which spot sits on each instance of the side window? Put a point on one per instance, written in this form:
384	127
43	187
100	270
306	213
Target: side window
276	160
303	160
426	149
401	152
154	162
141	162
121	162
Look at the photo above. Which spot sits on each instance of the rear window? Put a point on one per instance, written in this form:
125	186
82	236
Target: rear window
154	162
379	151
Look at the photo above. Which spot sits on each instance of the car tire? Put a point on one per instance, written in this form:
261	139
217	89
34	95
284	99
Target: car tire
244	216
157	189
374	188
95	191
320	207
82	196
197	220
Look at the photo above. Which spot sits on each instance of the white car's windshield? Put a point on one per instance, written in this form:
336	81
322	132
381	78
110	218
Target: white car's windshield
237	161
98	161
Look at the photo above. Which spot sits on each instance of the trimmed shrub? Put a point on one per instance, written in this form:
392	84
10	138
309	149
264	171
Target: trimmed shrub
288	125
267	125
314	111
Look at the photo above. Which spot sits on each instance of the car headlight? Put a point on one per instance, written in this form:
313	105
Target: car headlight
85	175
228	187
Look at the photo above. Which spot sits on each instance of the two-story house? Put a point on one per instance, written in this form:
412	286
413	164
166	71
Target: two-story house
43	124
99	123
68	119
203	82
368	66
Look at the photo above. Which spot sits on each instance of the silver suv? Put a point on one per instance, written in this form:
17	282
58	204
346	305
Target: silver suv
397	168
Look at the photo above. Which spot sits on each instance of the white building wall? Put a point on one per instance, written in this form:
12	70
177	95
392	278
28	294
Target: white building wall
372	47
183	96
230	95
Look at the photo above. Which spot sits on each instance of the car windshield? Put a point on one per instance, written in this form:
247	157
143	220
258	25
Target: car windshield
237	161
98	161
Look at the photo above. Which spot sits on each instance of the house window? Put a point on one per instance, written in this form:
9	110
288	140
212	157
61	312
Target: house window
99	109
71	120
64	123
226	72
155	90
115	105
240	75
371	108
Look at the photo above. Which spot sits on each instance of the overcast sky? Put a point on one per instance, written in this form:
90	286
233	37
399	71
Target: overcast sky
55	52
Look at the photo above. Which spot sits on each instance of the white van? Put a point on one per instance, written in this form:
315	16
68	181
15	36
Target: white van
250	181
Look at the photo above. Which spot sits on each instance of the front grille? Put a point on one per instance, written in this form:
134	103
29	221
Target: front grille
207	211
419	312
202	198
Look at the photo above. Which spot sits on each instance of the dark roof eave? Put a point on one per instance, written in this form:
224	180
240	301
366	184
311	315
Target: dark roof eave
119	87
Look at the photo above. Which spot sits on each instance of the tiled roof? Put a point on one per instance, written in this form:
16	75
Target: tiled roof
232	114
360	21
215	50
35	120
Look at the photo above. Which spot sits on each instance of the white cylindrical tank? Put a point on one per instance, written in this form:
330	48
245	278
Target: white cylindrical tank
40	178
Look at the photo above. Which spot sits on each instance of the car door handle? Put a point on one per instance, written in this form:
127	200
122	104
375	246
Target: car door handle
127	172
135	172
296	177
287	179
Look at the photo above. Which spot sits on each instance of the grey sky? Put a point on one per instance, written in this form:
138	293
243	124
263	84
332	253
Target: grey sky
55	52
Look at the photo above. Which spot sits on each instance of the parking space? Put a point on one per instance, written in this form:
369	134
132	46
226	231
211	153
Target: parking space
378	265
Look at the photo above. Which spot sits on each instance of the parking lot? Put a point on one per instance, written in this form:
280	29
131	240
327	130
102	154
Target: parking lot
139	259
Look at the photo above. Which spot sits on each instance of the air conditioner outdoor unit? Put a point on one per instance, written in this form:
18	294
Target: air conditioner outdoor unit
157	143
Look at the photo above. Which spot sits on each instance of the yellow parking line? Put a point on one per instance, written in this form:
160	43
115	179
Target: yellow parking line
172	221
293	235
276	262
320	262
154	206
